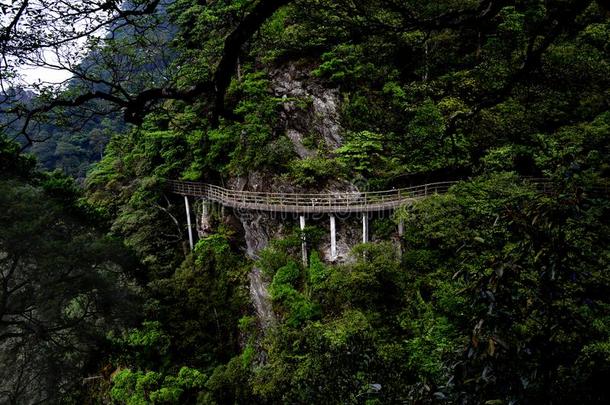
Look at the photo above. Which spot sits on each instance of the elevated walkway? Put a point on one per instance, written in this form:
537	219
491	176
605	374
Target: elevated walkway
308	203
304	204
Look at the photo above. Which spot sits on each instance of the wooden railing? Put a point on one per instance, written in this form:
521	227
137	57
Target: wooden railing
326	202
309	202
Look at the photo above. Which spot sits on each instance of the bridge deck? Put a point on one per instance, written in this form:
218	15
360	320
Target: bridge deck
373	201
337	202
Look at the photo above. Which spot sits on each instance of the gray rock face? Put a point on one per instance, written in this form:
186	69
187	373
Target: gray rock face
257	229
297	140
261	300
326	117
310	112
321	116
255	233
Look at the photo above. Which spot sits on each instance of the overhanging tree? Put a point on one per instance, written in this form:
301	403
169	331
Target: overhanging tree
46	33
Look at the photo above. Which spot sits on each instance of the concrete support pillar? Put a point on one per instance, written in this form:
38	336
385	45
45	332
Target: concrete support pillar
401	232
188	221
205	224
333	237
303	241
365	227
205	208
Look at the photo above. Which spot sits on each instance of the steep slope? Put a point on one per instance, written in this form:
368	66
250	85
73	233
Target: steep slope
501	293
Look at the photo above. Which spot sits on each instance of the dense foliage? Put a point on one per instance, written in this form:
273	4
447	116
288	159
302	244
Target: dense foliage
496	293
63	284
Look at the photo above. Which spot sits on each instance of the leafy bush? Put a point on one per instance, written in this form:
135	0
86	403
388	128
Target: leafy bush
362	152
139	388
314	170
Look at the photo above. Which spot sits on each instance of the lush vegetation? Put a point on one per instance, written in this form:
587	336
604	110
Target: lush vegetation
495	294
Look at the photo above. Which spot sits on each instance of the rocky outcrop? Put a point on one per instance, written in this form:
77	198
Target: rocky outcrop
310	109
311	120
261	300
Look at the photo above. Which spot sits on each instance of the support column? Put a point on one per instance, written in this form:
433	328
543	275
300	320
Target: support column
205	208
365	227
333	237
401	232
188	221
303	241
205	225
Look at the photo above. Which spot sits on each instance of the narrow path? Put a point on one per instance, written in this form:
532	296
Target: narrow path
336	202
305	203
323	203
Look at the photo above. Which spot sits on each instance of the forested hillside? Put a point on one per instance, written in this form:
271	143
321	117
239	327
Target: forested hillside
496	292
74	137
